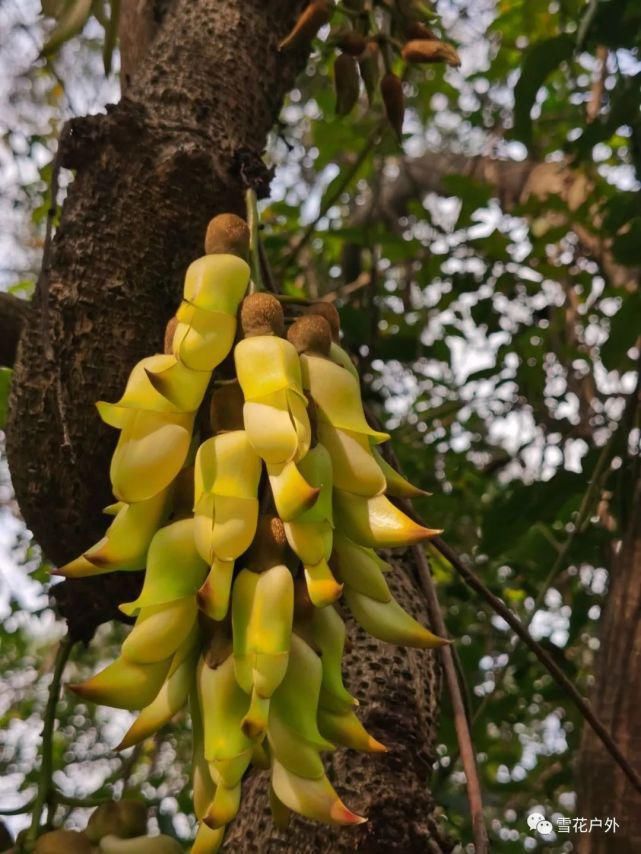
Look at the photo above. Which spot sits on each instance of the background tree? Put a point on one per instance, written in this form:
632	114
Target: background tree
487	278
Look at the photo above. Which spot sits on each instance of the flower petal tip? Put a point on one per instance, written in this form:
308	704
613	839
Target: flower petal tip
343	815
78	688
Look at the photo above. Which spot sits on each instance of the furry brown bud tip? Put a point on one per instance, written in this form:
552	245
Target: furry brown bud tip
170	331
329	311
227	234
430	50
226	408
311	19
69	841
311	334
393	101
351	42
346	83
261	314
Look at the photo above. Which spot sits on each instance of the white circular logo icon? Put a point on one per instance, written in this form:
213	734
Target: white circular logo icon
544	827
534	819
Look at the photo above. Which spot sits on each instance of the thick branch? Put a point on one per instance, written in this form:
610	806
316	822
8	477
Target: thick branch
514	182
13	314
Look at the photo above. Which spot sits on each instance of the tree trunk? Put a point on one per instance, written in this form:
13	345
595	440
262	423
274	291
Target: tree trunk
604	791
398	691
149	174
202	85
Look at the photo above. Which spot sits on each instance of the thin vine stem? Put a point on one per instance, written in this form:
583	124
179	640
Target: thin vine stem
25	808
334	196
461	722
253	222
453	679
45	784
584	707
97	800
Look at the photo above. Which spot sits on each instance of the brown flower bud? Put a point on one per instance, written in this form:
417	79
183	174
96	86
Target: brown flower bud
311	19
311	333
432	50
370	67
227	234
346	83
394	101
69	841
351	42
329	311
261	314
414	10
417	30
124	819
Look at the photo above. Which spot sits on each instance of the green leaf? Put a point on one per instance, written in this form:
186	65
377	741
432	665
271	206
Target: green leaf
541	59
511	516
70	24
473	195
624	329
111	35
627	246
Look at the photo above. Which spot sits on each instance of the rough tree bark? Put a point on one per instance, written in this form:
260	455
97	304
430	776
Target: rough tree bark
603	788
13	315
202	82
148	175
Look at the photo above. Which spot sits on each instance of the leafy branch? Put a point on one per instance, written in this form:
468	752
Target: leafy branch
500	608
348	176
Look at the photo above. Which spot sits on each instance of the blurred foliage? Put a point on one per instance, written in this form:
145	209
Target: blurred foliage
498	342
